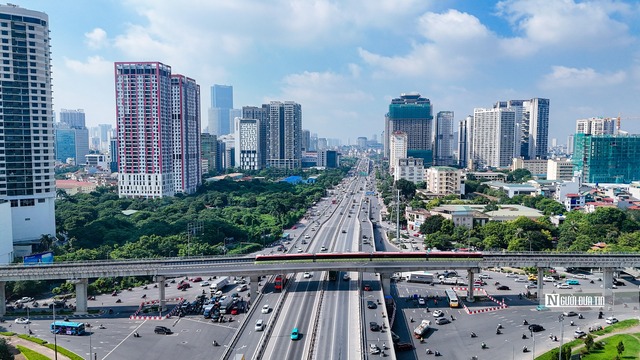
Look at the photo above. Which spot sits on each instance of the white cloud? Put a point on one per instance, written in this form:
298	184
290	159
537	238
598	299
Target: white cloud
94	65
96	38
566	24
567	77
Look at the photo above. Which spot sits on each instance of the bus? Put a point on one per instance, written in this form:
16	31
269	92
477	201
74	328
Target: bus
67	328
453	298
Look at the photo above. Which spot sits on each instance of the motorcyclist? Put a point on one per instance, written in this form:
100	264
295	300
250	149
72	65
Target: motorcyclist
473	334
483	345
524	349
215	343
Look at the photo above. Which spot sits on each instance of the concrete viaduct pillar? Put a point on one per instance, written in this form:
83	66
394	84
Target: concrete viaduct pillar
470	279
254	280
385	280
607	285
540	286
3	299
161	281
81	295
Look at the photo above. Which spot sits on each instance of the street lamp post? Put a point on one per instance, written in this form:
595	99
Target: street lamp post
55	332
533	351
561	320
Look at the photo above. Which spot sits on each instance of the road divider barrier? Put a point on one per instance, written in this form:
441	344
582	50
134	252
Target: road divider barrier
501	304
136	315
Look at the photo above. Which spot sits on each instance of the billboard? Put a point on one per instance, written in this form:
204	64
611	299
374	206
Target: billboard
36	259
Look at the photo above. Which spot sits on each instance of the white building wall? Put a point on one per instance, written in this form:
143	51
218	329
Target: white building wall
6	235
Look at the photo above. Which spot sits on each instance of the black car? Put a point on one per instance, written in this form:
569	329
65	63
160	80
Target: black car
162	330
403	346
371	305
535	328
503	287
373	326
442	321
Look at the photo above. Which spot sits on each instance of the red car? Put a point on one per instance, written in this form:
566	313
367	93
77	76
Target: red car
197	279
183	286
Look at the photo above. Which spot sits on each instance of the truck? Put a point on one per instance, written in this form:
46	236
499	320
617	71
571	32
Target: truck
219	283
422	329
226	305
280	281
333	275
420	277
452	281
207	311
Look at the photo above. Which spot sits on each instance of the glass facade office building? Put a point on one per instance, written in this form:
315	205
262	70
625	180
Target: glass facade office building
413	115
26	123
607	158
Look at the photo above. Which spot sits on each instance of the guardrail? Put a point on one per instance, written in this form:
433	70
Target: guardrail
258	354
316	318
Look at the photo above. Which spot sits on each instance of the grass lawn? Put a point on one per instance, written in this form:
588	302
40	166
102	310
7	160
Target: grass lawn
618	326
631	348
30	354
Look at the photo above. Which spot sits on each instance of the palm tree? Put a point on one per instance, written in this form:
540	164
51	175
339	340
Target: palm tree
46	241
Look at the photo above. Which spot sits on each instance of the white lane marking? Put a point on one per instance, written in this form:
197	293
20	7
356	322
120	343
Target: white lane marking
123	340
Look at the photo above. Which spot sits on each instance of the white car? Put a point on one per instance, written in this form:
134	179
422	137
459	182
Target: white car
306	236
564	286
610	320
485	276
323	249
299	250
307	275
521	280
421	301
512	275
218	293
259	325
438	313
204	283
265	309
22	320
548	278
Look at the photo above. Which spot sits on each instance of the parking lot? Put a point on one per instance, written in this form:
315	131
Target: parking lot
453	339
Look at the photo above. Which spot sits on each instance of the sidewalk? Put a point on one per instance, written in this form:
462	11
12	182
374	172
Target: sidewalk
14	340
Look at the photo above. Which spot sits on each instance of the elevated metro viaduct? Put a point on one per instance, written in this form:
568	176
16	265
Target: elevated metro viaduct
80	272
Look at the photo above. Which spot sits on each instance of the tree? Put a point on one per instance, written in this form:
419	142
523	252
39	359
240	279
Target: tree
407	188
46	242
5	353
620	348
588	342
432	224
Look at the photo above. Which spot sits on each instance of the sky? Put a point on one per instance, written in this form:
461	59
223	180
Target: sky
344	60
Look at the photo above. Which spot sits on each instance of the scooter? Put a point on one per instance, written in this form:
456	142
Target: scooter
473	335
524	349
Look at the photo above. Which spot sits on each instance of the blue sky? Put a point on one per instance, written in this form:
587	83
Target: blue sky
344	60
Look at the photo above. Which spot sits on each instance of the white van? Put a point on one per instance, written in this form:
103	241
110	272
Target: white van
259	325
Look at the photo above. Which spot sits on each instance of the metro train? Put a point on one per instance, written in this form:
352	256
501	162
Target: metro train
373	256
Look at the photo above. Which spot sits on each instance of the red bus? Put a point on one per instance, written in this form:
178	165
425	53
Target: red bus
280	281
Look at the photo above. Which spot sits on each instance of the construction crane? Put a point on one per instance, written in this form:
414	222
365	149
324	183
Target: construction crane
619	120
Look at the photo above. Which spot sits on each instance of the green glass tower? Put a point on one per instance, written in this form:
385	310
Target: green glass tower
413	115
607	158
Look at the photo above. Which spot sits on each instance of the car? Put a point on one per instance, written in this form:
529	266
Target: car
27	299
442	321
572	282
265	309
403	346
162	330
307	275
542	308
611	320
242	287
503	287
344	231
373	326
578	334
530	286
512	275
196	279
367	287
374	349
438	313
259	325
548	278
617	282
521	280
299	250
564	286
204	283
485	276
421	301
295	335
323	249
580	276
235	310
536	328
218	293
371	305
306	236
570	313
22	320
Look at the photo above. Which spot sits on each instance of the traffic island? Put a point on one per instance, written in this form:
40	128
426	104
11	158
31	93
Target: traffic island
482	303
153	306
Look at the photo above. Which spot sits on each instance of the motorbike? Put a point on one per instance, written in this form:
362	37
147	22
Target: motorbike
155	286
215	343
145	287
580	316
483	346
135	334
429	352
525	322
524	349
144	296
473	335
118	301
101	326
524	336
498	332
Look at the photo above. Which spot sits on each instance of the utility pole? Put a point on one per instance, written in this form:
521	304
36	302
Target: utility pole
193	228
398	216
561	320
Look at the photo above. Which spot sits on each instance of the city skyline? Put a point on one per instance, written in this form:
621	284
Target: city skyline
344	62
